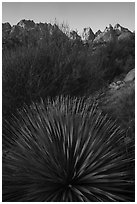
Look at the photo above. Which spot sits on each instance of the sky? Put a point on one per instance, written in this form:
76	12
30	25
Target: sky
77	15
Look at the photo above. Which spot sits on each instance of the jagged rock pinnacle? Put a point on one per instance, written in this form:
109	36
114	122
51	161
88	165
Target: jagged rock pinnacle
88	34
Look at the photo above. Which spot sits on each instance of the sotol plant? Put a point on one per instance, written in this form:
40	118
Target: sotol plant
66	151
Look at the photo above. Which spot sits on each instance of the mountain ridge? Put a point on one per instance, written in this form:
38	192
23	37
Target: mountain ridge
27	27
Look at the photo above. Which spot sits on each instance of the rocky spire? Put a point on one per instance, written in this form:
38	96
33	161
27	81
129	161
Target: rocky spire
74	35
97	33
88	34
109	28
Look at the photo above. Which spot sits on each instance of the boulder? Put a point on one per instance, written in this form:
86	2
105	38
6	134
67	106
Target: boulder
130	76
116	85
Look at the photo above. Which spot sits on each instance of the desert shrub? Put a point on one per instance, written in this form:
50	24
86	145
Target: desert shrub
54	67
64	153
125	54
121	105
117	58
17	77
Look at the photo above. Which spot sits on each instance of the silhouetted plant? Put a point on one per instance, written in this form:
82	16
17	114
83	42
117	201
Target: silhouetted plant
66	151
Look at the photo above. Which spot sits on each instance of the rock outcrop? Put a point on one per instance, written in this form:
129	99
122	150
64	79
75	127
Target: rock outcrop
27	29
130	76
112	34
97	33
88	34
118	28
116	85
74	35
26	24
106	36
121	32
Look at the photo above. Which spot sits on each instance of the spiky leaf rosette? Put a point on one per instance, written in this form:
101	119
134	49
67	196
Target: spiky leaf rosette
62	156
73	105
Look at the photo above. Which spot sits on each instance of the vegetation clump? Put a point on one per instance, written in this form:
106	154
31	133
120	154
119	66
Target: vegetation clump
63	155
